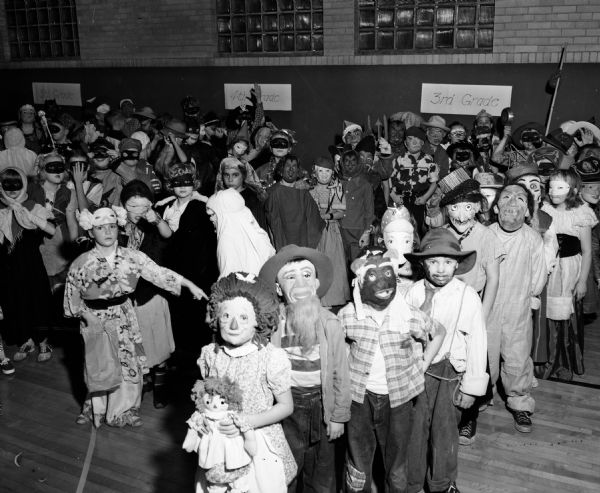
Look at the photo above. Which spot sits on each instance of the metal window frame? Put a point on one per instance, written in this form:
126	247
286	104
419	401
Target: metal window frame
39	44
415	5
311	32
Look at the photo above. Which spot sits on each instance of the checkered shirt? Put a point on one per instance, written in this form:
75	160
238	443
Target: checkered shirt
404	327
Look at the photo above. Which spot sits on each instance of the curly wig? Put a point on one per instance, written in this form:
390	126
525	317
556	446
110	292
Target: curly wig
224	387
262	297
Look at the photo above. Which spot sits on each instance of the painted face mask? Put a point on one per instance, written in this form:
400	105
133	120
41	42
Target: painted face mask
462	215
289	173
396	133
533	184
378	286
512	208
350	165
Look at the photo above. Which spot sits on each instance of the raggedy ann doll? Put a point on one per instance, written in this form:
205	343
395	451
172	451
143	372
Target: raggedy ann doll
226	460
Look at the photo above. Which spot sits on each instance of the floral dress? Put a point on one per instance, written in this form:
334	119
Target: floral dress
92	277
261	373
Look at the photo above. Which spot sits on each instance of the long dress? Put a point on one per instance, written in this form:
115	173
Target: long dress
564	314
330	200
261	373
93	277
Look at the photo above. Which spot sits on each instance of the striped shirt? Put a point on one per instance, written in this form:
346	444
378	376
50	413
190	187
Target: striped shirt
306	367
397	337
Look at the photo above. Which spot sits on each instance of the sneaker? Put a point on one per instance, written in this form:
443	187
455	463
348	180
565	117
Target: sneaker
466	433
522	421
24	351
45	353
452	489
7	366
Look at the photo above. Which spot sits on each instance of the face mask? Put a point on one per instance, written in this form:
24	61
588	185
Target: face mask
185	180
279	144
379	283
533	184
350	166
54	167
462	215
483	142
130	155
512	208
12	184
462	156
533	137
100	155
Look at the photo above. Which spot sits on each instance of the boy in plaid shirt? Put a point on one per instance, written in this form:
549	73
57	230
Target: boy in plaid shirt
387	363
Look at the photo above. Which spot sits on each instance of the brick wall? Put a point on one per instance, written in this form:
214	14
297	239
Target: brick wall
183	33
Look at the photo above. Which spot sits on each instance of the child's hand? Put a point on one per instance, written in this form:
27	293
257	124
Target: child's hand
465	400
420	201
334	430
228	428
580	290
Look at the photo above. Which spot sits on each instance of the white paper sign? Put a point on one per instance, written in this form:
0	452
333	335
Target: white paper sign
459	99
275	97
64	94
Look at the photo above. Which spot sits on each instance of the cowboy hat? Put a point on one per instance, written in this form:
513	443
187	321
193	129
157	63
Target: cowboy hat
436	121
440	242
289	253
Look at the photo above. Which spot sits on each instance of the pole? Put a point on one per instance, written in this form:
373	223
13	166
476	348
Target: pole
560	66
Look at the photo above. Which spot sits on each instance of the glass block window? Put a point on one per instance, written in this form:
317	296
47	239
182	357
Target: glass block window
270	26
425	25
42	29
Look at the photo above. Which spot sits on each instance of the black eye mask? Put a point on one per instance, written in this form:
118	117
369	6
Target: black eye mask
11	184
54	167
279	144
186	180
462	156
126	155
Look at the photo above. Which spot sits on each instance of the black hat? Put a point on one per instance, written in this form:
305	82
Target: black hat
367	144
416	132
559	139
588	169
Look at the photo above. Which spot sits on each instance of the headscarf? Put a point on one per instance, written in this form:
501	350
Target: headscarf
16	154
242	245
24	218
252	180
105	215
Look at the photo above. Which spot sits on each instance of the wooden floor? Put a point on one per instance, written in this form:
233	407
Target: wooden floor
40	403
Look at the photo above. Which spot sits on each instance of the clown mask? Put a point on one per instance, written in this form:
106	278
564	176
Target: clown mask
590	192
237	321
377	282
462	215
532	183
558	190
512	208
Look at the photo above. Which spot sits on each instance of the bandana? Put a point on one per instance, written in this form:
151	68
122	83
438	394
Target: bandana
104	215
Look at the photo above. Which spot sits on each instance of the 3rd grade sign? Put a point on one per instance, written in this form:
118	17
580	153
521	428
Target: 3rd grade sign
460	99
275	97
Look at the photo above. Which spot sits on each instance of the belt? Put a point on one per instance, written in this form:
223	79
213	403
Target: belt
568	246
105	304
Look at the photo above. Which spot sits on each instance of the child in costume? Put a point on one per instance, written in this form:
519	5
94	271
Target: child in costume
245	311
573	221
458	372
97	291
329	196
226	460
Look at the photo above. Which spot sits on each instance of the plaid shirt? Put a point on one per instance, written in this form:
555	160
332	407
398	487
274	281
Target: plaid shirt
397	337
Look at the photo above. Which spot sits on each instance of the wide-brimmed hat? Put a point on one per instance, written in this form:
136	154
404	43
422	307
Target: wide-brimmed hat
588	169
574	126
145	112
457	184
521	169
167	129
436	121
440	242
289	253
559	139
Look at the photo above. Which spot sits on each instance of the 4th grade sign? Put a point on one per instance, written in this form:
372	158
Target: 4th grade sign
275	97
460	99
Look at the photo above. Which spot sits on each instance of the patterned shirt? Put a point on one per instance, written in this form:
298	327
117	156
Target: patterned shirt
411	176
402	327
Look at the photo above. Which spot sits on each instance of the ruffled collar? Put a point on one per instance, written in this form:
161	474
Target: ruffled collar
240	351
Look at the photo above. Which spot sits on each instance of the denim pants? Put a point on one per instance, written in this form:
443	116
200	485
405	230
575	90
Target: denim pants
306	435
433	445
374	423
